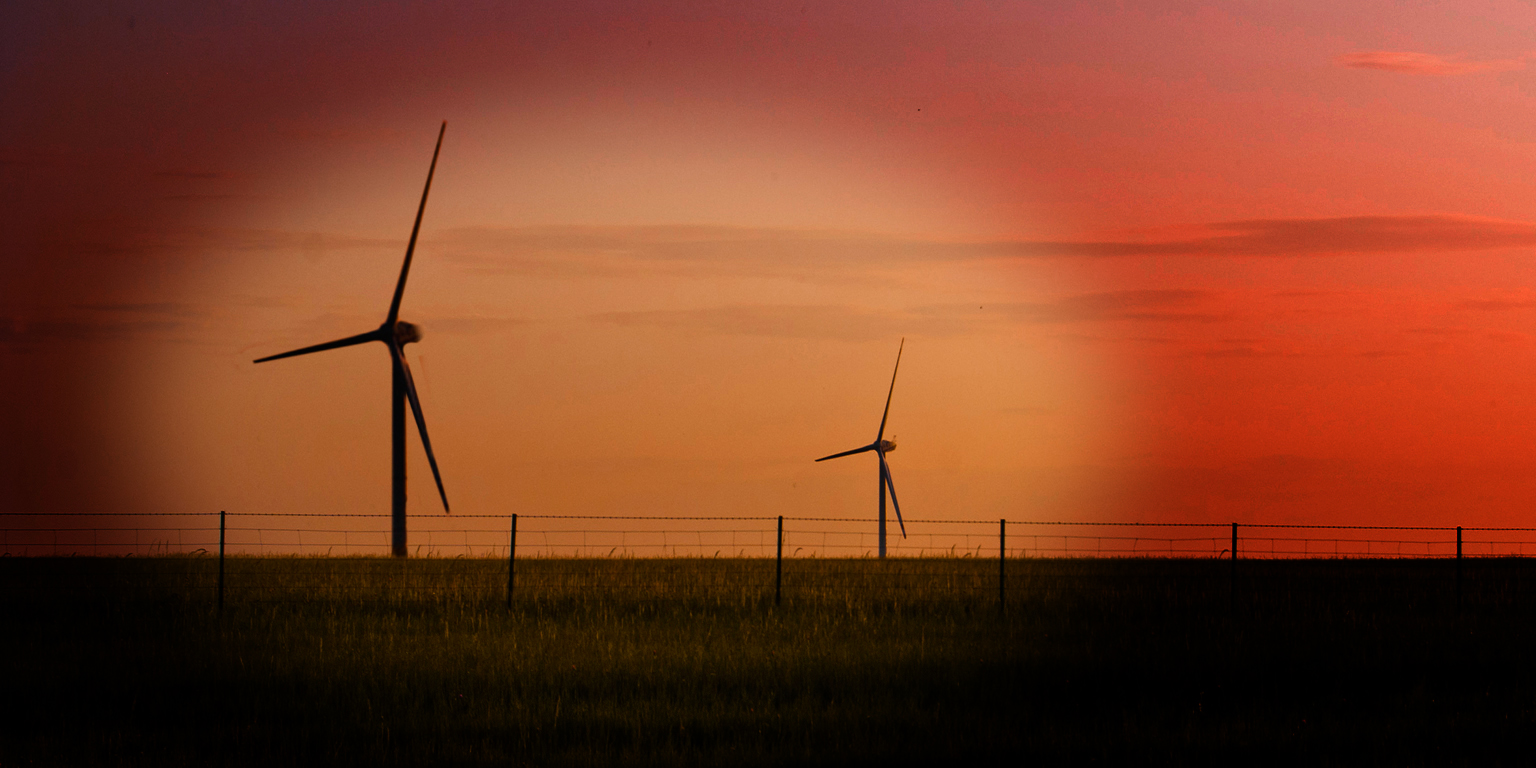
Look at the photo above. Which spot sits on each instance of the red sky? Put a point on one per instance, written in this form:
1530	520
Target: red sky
1153	261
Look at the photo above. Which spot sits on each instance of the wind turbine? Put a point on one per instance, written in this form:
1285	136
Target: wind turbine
881	447
395	334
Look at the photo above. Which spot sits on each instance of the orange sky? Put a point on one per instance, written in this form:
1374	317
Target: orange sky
1239	261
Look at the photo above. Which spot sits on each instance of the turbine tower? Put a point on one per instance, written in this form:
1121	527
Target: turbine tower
881	447
395	334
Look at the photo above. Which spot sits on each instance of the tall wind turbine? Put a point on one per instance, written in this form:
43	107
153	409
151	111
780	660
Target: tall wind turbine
881	447
395	334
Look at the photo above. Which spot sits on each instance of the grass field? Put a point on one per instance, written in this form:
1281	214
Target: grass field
688	661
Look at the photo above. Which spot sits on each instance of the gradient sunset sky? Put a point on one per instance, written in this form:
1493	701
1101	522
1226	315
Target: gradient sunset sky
1246	261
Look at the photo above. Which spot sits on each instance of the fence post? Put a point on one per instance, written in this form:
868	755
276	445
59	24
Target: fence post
778	566
1458	570
1232	598
1002	558
511	560
221	562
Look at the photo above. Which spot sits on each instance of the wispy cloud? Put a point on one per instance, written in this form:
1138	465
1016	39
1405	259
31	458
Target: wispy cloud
841	323
1440	331
1148	305
196	198
676	250
828	255
1413	63
190	174
1157	305
472	325
139	244
106	322
848	323
147	308
1240	351
274	240
1304	237
18	333
345	135
1494	305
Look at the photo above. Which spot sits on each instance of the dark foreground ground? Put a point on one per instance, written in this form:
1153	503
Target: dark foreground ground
362	661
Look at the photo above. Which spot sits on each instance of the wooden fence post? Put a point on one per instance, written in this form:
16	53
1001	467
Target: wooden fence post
511	560
1002	559
221	562
778	566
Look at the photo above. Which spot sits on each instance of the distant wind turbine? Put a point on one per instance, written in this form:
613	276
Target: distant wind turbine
881	447
395	334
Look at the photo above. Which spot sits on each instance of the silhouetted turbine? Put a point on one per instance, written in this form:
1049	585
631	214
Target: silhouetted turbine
395	334
881	447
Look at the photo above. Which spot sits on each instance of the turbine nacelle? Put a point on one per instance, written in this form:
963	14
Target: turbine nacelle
885	446
405	333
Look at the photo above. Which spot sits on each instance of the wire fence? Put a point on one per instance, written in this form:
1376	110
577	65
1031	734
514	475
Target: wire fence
610	536
552	560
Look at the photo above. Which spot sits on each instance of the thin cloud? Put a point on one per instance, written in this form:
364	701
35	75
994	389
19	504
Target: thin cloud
109	322
1412	63
147	308
676	250
1305	237
192	197
19	333
1153	305
144	243
1439	331
1507	337
1165	305
1240	352
1493	305
840	323
343	135
847	323
189	174
472	325
831	256
279	240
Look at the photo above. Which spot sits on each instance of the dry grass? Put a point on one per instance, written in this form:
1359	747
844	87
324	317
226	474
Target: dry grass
374	661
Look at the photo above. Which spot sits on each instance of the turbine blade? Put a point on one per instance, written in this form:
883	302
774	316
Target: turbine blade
421	422
885	472
337	344
405	269
892	391
869	447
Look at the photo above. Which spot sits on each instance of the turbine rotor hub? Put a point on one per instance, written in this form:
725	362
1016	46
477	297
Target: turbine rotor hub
405	333
886	446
